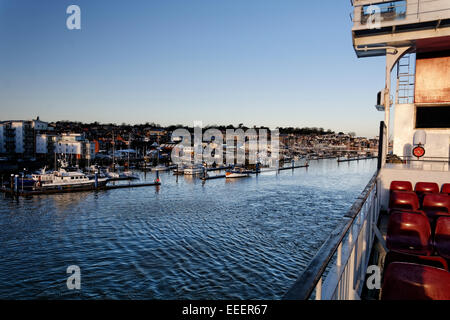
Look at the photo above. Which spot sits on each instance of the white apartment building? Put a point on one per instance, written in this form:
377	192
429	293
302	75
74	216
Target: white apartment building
45	143
74	144
17	137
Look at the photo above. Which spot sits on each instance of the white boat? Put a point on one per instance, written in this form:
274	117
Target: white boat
112	175
62	179
193	170
179	170
129	174
237	173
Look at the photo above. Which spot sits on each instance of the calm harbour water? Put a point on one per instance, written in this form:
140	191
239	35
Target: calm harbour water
243	239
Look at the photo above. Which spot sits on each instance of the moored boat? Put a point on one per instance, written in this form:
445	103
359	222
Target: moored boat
62	179
193	170
237	173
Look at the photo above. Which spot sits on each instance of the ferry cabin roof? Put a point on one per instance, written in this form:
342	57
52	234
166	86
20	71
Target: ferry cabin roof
397	24
414	35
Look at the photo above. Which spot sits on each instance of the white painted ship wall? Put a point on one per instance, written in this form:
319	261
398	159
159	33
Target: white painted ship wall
438	140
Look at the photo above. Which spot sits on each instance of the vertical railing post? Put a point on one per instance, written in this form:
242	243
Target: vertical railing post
346	278
381	146
351	275
319	289
364	251
339	256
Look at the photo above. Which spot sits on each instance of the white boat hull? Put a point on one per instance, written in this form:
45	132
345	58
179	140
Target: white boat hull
69	185
237	175
161	168
191	172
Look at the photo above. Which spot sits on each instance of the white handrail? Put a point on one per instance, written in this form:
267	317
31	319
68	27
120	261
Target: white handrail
338	269
345	279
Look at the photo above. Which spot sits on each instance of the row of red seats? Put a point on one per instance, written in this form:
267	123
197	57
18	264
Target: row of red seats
410	232
420	187
418	237
433	205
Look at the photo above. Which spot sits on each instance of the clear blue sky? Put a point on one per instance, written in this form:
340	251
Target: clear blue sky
257	62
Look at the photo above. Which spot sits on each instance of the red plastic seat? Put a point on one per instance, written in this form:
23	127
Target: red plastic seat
409	211
404	200
434	204
409	281
442	237
432	261
401	186
426	187
409	233
446	188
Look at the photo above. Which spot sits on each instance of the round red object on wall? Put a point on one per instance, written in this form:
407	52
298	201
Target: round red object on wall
418	152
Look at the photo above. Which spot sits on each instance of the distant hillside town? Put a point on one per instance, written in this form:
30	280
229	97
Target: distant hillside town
40	142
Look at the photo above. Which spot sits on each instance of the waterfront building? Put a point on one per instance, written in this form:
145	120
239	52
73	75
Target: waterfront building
45	143
17	137
76	145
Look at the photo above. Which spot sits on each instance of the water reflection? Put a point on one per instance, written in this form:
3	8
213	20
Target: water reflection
219	239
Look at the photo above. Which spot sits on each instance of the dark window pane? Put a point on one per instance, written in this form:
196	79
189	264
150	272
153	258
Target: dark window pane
433	117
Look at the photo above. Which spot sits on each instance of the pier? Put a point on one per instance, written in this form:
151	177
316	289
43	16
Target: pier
25	193
122	179
219	168
220	176
292	167
356	159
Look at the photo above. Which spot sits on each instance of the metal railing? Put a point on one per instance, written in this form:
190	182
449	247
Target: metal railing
411	158
405	8
338	270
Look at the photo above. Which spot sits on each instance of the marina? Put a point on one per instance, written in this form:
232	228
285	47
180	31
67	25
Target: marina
221	150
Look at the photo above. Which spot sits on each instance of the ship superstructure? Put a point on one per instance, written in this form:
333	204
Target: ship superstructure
399	228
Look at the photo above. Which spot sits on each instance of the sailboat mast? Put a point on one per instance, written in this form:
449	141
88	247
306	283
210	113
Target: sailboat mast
129	148
114	152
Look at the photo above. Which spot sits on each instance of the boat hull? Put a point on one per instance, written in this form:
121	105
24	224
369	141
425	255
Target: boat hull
61	186
191	172
237	175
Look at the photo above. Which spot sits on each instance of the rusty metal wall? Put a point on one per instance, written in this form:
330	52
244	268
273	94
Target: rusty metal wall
432	78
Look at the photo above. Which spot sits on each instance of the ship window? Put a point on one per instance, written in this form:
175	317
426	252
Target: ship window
389	11
433	117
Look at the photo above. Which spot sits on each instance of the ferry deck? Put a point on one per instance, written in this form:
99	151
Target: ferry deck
394	242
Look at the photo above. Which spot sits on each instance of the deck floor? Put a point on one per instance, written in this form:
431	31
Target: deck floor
378	255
